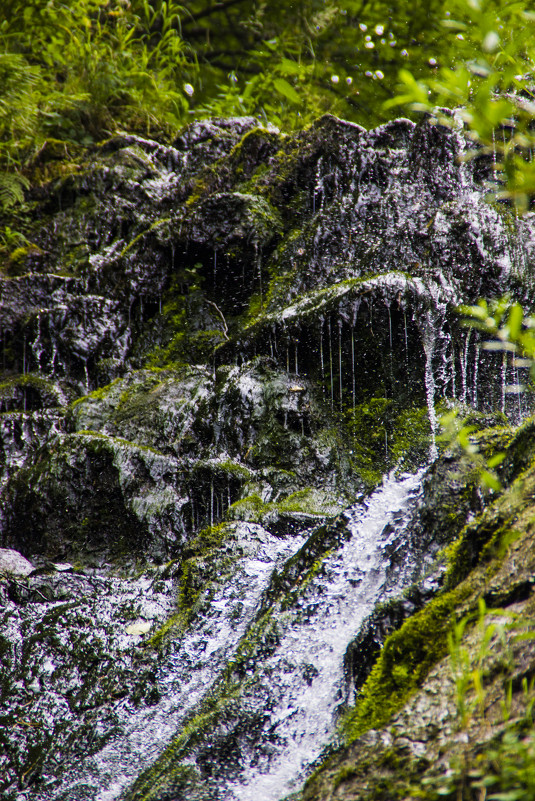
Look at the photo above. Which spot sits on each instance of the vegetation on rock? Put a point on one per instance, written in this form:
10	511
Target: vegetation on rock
215	339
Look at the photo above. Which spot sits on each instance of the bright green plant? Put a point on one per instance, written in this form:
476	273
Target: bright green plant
489	82
468	665
512	332
509	329
77	71
455	431
503	769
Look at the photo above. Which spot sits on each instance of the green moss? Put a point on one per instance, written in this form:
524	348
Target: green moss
404	662
28	380
306	501
97	395
382	437
155	225
251	508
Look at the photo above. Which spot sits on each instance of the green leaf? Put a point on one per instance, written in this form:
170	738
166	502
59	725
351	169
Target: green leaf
286	90
514	323
288	67
490	480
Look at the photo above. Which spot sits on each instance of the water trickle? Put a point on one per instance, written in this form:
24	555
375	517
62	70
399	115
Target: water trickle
353	364
340	359
190	669
331	362
321	356
406	337
453	373
476	371
429	342
464	367
504	380
37	346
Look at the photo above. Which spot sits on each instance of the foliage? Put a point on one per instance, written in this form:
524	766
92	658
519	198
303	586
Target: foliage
511	332
504	768
489	80
76	72
289	63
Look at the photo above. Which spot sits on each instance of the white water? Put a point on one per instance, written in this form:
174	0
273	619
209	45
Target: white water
190	669
353	580
301	683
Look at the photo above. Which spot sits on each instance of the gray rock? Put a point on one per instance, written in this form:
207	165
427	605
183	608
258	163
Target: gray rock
14	563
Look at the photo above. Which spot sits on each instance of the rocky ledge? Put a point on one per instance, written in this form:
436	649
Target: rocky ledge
211	349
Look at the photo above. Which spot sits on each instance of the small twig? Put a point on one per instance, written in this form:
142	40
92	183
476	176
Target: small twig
26	587
218	310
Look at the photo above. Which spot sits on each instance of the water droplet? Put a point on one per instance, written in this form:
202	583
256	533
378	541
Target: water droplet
349	81
363	27
138	628
491	42
380	75
432	61
188	88
379	30
334	78
369	45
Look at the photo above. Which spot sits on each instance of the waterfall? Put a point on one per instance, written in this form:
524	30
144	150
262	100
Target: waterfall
353	579
302	680
190	669
207	451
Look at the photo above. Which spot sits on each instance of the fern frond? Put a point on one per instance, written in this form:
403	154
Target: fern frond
12	186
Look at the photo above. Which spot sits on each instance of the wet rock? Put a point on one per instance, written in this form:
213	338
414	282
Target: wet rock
13	563
210	349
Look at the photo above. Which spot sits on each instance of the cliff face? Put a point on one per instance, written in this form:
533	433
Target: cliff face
210	350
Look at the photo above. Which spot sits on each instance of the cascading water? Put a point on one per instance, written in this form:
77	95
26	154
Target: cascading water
263	321
303	680
191	668
306	676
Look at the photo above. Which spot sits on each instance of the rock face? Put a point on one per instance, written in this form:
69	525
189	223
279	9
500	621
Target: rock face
210	350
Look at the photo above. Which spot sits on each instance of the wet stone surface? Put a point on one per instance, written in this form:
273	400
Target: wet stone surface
211	349
69	667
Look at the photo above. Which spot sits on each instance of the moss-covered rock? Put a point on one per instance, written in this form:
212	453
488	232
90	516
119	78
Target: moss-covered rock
210	349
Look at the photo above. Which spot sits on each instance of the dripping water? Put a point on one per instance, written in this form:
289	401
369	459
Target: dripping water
353	363
321	358
429	343
340	360
476	371
464	367
331	362
504	379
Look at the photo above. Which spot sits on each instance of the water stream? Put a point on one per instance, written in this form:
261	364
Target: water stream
301	684
308	664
